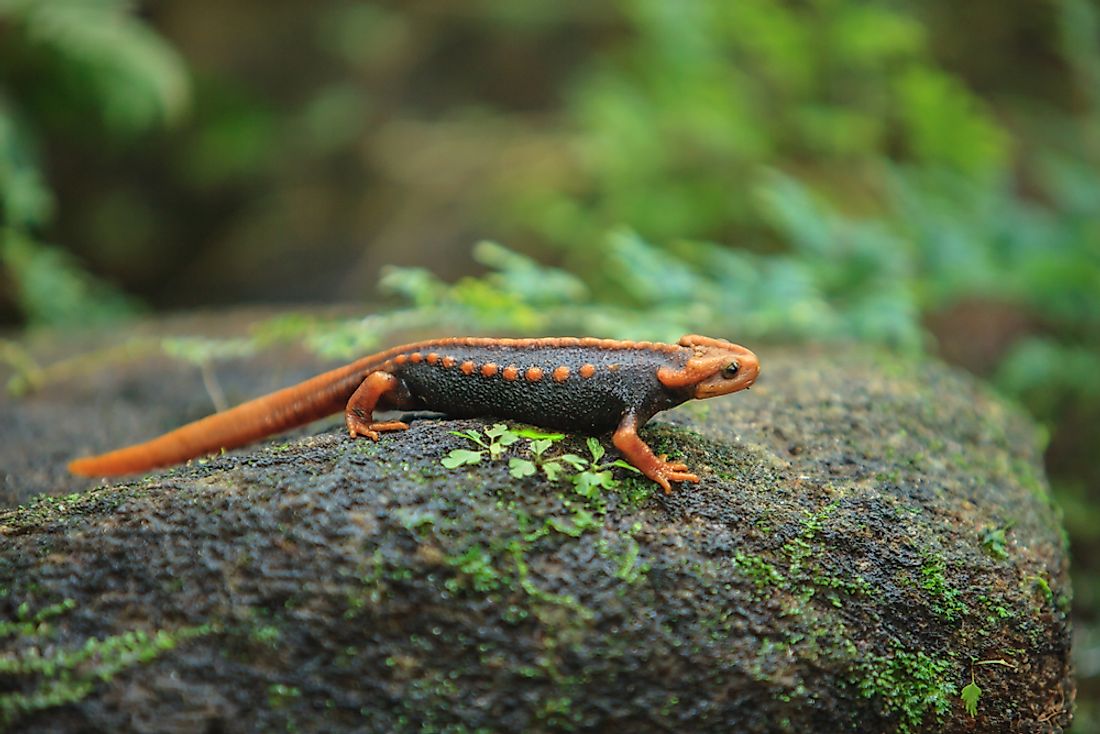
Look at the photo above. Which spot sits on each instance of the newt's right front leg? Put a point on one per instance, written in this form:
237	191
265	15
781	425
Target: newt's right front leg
359	414
635	450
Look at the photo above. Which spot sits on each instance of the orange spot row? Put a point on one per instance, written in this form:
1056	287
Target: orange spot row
560	373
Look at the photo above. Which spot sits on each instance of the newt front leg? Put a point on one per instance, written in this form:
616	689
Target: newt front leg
657	468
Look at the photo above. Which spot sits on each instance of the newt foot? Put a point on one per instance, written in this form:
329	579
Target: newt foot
667	471
357	426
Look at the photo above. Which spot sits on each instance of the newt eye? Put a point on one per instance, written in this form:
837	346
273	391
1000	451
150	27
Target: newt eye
730	370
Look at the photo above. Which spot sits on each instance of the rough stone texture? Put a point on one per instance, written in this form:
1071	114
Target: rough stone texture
868	537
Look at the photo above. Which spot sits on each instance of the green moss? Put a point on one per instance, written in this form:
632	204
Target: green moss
945	599
475	570
800	548
1043	587
635	491
62	676
631	569
566	600
281	696
995	541
27	624
45	509
267	635
760	572
908	685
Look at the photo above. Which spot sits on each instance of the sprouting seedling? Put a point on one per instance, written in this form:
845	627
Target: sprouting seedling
589	476
970	695
499	438
519	467
995	541
541	442
971	692
594	476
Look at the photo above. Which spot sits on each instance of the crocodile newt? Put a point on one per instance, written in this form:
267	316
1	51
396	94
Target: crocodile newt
578	384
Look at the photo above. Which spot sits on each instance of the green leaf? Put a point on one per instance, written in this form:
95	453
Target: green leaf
508	438
534	433
596	448
539	447
496	431
461	457
470	436
552	470
520	468
996	542
589	483
577	462
970	695
623	465
560	526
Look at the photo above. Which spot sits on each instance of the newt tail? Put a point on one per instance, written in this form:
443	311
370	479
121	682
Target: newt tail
583	384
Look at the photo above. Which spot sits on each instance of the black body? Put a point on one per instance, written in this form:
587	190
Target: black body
625	380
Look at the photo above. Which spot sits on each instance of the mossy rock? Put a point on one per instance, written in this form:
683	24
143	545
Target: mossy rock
869	537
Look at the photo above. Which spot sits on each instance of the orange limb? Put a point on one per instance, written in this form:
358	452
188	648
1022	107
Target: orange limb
635	450
358	415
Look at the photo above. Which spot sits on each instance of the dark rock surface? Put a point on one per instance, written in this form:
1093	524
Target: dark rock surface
869	537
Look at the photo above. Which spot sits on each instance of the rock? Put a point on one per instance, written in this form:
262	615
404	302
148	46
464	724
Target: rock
870	538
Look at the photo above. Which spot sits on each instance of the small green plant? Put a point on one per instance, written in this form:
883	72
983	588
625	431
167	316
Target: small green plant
762	573
585	509
1043	586
910	684
972	692
589	476
996	542
596	476
497	439
970	695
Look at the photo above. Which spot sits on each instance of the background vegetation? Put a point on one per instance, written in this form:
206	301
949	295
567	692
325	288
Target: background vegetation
921	175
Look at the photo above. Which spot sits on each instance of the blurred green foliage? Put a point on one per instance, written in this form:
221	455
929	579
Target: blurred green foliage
676	123
83	68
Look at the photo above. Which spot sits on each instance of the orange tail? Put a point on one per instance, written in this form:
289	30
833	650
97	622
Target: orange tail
288	408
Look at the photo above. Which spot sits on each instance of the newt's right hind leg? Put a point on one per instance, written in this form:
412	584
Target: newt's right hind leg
358	416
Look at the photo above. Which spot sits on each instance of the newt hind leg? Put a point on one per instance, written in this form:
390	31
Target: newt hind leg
657	468
358	415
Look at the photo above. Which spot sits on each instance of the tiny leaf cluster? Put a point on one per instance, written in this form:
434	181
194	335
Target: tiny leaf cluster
588	475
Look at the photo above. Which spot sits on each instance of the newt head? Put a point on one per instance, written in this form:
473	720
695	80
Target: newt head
716	367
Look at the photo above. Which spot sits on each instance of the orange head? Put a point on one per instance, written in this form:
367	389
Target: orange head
716	367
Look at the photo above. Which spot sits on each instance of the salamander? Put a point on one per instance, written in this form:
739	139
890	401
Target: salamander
577	384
